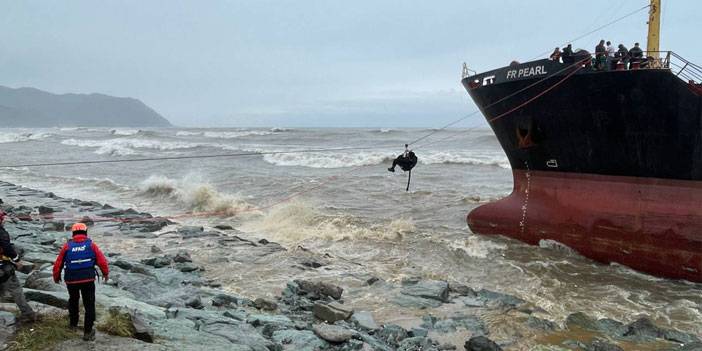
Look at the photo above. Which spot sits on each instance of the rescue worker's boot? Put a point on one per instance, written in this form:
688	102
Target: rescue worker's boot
391	169
89	336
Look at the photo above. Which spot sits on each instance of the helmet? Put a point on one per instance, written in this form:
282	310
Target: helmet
79	227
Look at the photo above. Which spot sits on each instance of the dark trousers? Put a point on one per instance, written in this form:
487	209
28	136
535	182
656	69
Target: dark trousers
87	291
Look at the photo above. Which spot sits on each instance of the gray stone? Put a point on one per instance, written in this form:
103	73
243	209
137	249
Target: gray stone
54	226
238	333
580	320
42	280
45	210
392	334
187	267
51	298
265	304
319	290
302	340
122	264
501	298
415	302
157	262
270	323
364	320
332	312
142	329
416	343
429	289
601	345
542	324
220	300
182	256
462	290
223	227
171	312
333	333
195	302
155	249
481	343
695	346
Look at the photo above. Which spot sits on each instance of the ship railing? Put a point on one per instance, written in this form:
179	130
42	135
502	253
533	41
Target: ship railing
467	72
685	69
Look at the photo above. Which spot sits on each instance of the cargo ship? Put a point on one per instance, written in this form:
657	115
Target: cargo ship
606	160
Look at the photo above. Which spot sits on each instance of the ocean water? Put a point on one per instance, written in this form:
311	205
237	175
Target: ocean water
344	204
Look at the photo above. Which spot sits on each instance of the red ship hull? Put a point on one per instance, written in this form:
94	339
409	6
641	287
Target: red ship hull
649	224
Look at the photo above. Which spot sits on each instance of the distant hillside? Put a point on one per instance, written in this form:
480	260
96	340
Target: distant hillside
29	107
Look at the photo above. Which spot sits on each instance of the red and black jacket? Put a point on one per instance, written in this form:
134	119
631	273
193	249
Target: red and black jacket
83	275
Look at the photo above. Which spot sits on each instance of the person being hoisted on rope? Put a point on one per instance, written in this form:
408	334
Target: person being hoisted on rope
406	161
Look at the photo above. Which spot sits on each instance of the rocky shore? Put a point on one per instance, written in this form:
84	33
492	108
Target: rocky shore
158	286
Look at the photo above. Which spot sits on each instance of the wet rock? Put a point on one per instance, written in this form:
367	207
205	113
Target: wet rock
581	320
364	320
643	328
221	300
270	323
265	304
462	290
541	324
195	302
223	227
239	334
187	267
611	327
416	343
695	346
601	345
392	334
182	256
331	312
155	249
481	343
45	210
428	289
42	280
333	333
504	299
7	326
302	340
372	280
51	298
171	312
126	265
318	290
312	263
87	221
157	262
53	226
415	302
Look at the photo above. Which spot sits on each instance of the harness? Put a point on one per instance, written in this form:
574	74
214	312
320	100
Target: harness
79	261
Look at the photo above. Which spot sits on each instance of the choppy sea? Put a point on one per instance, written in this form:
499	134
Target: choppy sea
345	203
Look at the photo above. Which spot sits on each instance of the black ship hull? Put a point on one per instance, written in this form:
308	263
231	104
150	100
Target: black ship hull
606	162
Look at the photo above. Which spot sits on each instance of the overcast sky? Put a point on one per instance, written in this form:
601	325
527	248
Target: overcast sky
379	63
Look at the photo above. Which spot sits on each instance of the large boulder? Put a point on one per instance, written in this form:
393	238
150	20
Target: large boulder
481	343
319	290
331	312
299	340
428	289
333	333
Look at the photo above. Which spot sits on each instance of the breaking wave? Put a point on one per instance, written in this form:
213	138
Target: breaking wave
296	222
226	134
17	137
477	247
368	158
125	147
125	132
195	195
328	160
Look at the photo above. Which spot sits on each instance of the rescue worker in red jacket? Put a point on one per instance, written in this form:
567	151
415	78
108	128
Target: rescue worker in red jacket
78	258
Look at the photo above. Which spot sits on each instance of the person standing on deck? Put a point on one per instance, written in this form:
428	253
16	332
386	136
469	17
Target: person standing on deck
78	258
9	261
